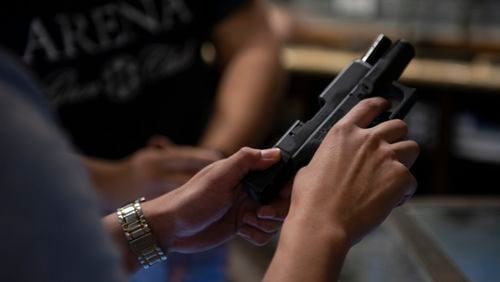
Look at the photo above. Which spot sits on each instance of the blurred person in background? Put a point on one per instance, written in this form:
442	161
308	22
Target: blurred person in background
358	175
129	84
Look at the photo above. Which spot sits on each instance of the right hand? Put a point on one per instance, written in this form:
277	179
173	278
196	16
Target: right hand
358	174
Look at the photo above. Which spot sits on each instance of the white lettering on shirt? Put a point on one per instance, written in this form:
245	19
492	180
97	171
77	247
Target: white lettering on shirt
102	28
38	40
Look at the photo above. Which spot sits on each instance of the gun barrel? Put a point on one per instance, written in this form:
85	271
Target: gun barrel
377	50
398	58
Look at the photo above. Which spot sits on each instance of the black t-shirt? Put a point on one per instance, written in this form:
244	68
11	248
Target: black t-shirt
119	72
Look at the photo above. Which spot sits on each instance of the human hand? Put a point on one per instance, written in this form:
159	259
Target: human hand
155	170
150	172
357	176
212	206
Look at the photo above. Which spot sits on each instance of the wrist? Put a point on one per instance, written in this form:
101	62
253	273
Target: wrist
315	229
160	213
302	242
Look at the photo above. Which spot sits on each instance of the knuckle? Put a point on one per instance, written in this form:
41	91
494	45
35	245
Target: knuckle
243	157
340	128
384	155
388	154
372	138
245	152
401	125
342	125
390	151
345	133
372	104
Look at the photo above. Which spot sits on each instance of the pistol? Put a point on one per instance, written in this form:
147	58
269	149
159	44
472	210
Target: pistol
375	74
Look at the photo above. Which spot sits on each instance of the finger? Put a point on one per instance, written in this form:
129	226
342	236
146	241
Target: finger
186	159
366	111
183	165
247	159
198	153
268	157
254	235
264	225
392	130
159	142
410	191
276	211
406	152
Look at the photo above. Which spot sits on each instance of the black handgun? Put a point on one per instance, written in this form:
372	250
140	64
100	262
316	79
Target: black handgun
376	74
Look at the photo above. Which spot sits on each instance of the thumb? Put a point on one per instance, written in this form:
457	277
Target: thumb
247	159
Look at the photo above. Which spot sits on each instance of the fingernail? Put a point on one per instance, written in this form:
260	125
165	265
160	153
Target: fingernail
266	213
270	154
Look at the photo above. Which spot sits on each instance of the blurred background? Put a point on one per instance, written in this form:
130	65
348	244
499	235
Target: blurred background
456	73
122	75
451	230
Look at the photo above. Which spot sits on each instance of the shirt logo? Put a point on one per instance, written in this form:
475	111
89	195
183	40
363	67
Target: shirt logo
101	29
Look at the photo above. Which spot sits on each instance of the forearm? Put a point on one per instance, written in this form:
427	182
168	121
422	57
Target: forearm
308	251
252	79
248	94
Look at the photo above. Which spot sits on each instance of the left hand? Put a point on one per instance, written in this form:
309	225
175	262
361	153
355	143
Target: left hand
150	172
212	207
155	170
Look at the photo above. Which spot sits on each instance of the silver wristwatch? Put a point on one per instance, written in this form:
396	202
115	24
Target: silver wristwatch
138	234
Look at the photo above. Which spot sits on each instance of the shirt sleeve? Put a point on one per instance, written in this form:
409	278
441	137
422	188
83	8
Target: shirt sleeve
52	224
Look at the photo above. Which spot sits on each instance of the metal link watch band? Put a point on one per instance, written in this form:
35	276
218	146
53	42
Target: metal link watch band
138	234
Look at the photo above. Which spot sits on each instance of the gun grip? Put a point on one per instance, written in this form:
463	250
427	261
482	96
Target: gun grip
264	185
